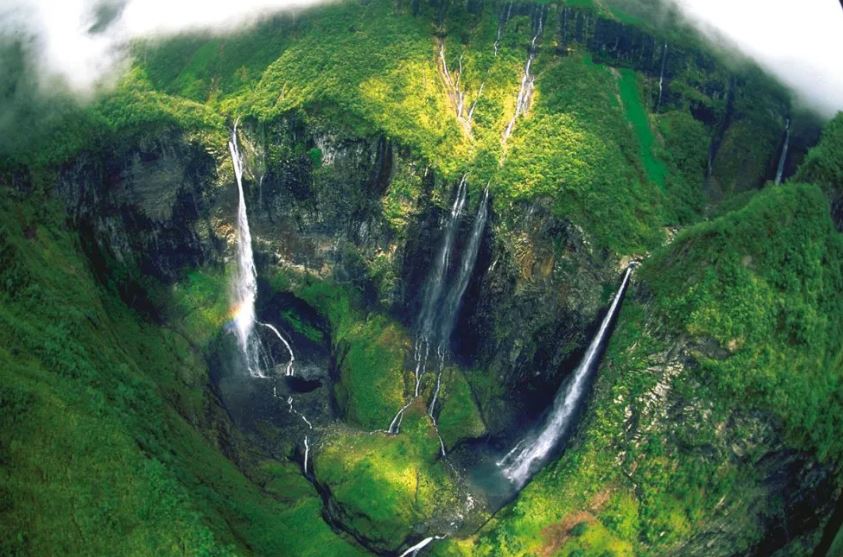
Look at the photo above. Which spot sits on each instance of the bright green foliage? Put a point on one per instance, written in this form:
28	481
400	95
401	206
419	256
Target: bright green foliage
393	82
459	418
575	149
637	115
101	420
199	303
370	352
765	282
385	484
574	146
688	140
103	414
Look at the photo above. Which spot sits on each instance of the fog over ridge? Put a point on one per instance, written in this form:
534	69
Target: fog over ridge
800	43
80	44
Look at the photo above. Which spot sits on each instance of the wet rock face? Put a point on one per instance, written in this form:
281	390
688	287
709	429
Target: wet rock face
530	312
311	191
145	207
316	201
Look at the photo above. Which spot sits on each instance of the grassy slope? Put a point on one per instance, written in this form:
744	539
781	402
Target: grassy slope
764	283
98	419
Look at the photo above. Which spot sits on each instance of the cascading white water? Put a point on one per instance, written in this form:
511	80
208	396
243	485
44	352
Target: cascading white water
289	371
501	24
440	305
523	460
522	101
245	286
414	550
783	156
661	77
433	290
306	454
451	304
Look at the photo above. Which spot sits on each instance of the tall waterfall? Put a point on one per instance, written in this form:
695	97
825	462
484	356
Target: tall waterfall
442	298
522	101
661	77
530	453
783	156
434	287
245	286
453	298
244	291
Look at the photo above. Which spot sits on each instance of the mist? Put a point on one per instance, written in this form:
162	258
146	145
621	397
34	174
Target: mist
800	43
48	47
82	44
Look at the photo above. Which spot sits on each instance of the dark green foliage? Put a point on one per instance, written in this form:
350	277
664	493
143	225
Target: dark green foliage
824	166
114	442
764	282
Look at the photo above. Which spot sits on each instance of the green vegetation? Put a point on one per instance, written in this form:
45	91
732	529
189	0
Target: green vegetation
754	295
384	485
104	417
370	351
824	163
302	327
637	115
199	304
112	443
764	283
576	150
459	418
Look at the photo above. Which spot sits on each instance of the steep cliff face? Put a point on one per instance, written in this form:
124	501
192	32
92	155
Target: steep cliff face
626	136
696	441
144	208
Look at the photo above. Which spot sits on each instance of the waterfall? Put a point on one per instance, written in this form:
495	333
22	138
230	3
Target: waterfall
661	77
245	286
306	454
501	24
522	101
414	550
530	453
440	305
436	281
783	156
289	371
451	304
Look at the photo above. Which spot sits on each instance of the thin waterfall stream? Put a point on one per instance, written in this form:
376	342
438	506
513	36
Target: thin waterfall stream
525	92
783	156
245	285
661	77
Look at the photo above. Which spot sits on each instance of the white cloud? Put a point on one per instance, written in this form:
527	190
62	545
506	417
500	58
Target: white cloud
60	38
801	42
